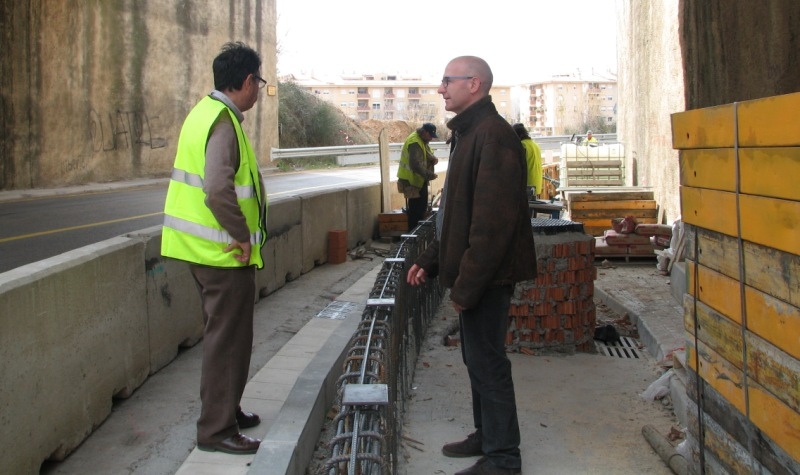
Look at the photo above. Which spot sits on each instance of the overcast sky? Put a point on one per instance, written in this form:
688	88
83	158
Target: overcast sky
522	40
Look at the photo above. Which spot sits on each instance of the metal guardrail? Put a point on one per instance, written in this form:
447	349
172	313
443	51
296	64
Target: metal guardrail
545	143
382	355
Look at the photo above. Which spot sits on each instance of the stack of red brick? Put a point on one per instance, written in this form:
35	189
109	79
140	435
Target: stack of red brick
556	312
643	240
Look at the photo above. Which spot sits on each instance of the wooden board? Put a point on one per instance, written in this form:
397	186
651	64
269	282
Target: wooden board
579	196
770	121
708	168
614	204
771	271
771	172
712	127
716	290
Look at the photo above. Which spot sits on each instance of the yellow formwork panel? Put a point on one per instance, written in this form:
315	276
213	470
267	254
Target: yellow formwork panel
709	209
770	172
770	122
771	222
712	127
780	422
773	320
717	372
713	168
716	290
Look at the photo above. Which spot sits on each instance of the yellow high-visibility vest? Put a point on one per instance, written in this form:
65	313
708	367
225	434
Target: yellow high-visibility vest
191	232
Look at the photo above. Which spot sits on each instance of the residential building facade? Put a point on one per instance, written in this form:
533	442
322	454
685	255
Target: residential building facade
568	103
389	97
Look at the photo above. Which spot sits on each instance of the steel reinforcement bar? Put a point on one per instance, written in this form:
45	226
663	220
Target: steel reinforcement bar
379	366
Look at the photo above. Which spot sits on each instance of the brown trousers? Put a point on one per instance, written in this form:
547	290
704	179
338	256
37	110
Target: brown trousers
228	300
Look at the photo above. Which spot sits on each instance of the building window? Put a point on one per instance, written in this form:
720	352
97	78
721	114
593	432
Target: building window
376	106
387	91
363	90
413	90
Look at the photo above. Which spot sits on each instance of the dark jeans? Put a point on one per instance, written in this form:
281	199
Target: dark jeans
494	407
417	207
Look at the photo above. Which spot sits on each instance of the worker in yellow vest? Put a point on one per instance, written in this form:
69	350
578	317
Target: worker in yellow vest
415	171
533	159
215	219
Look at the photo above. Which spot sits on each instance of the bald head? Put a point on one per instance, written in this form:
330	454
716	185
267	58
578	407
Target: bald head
475	66
466	80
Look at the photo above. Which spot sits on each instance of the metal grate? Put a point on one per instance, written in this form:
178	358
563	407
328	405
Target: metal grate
336	310
551	226
626	348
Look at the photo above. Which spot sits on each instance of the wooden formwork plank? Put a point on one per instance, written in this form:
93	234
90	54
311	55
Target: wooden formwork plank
770	121
583	163
771	271
605	223
711	127
771	172
774	320
579	196
780	422
776	371
578	214
717	372
709	209
771	222
615	204
708	168
716	290
597	182
719	332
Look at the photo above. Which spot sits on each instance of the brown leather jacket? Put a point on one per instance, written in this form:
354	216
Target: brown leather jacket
486	237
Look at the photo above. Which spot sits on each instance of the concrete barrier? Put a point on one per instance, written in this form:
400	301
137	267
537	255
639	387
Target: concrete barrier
82	328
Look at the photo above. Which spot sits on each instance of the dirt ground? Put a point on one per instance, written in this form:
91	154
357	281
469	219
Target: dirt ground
397	130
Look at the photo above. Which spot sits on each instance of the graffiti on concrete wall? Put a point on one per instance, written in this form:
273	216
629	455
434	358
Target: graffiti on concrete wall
121	130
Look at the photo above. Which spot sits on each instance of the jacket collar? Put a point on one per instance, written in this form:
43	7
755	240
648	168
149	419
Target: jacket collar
462	122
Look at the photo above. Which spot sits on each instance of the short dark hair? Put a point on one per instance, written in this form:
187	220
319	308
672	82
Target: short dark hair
521	131
233	64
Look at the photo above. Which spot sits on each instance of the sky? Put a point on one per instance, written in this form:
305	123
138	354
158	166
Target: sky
522	40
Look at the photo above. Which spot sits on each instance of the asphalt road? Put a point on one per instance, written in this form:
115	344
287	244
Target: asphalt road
36	226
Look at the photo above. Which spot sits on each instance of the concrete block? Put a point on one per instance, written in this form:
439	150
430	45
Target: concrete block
320	213
73	334
283	251
174	313
363	208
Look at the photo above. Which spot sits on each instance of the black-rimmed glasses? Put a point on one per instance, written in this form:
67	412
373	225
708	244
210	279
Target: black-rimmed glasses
261	82
446	80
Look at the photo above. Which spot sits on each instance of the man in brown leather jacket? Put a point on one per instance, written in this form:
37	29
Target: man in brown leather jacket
485	246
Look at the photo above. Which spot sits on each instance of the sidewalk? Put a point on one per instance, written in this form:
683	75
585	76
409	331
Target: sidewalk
579	414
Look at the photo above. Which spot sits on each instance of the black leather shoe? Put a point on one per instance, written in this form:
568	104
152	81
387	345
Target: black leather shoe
485	467
238	444
469	447
247	420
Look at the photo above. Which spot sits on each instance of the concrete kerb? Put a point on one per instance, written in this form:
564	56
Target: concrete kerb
308	366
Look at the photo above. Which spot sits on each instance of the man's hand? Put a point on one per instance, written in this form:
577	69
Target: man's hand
416	275
244	257
457	307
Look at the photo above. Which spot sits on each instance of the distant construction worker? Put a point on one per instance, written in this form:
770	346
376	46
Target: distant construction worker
415	171
533	157
590	140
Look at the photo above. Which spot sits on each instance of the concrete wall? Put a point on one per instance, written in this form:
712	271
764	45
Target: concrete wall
650	80
84	327
94	91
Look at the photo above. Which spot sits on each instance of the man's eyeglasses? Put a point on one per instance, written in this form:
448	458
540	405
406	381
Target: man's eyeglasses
261	82
448	79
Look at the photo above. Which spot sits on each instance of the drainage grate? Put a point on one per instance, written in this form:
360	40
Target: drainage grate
626	348
336	310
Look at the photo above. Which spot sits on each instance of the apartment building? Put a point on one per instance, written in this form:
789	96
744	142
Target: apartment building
566	103
393	97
